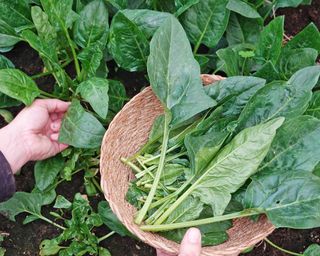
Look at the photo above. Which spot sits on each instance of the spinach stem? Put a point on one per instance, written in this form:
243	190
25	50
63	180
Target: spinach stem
193	223
47	220
96	183
50	72
43	93
158	212
142	213
106	236
130	164
74	54
281	249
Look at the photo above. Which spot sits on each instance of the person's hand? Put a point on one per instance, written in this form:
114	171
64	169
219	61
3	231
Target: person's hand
33	134
190	245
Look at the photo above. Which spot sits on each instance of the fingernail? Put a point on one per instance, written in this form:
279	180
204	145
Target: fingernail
194	235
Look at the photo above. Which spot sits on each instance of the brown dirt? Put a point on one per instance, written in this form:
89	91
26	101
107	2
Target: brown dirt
25	239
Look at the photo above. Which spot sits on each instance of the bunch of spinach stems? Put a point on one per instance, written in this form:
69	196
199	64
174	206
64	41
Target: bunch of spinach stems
236	148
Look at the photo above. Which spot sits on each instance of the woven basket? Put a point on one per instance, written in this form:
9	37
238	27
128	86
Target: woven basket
126	134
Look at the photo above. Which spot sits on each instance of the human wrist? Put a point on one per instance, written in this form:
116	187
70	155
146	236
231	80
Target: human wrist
13	148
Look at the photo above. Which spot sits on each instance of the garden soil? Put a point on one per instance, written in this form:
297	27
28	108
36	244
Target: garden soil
24	240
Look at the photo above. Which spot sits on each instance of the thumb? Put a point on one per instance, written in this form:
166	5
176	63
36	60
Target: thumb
191	243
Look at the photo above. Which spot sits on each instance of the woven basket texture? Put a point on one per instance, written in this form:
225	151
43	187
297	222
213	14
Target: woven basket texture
126	134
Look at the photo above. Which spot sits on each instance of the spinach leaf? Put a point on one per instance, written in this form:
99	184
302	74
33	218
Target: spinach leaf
81	129
6	115
268	71
91	58
92	24
5	62
290	200
285	99
62	203
111	220
95	91
270	41
309	37
292	60
312	250
128	44
174	73
242	30
314	107
183	5
205	22
243	9
8	36
46	172
117	95
148	21
18	85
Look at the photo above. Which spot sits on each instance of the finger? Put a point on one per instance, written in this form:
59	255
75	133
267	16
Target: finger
56	125
161	253
191	243
54	136
54	116
53	105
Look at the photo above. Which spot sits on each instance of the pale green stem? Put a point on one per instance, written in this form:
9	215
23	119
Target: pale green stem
106	236
281	249
142	213
194	223
130	164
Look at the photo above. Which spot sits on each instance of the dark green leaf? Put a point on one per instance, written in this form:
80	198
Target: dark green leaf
242	30
95	91
110	220
91	58
5	62
92	25
314	106
206	21
8	37
128	44
268	72
309	37
230	61
285	99
243	9
312	250
270	42
175	74
22	202
46	171
292	60
183	5
148	21
18	85
288	3
81	129
117	95
234	164
62	203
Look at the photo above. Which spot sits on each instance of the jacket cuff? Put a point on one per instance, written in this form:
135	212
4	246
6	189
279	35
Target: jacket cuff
7	182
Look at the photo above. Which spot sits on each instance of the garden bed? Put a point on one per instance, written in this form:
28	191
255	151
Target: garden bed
25	239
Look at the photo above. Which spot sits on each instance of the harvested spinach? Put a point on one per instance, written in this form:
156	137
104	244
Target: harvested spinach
236	148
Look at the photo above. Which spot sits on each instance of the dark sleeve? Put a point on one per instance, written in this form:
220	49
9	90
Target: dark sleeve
7	183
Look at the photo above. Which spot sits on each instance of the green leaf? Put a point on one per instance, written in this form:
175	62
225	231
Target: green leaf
19	17
230	61
8	36
5	62
48	54
80	129
270	42
189	209
6	101
18	85
49	247
62	203
295	147
312	250
46	171
309	37
22	202
95	91
268	72
90	58
92	25
292	60
235	163
205	22
60	13
285	99
242	30
117	95
171	172
175	74
183	5
128	44
6	115
148	21
45	30
104	252
288	3
111	220
243	9
314	106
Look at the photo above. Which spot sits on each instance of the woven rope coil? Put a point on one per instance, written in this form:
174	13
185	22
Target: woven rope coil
126	134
